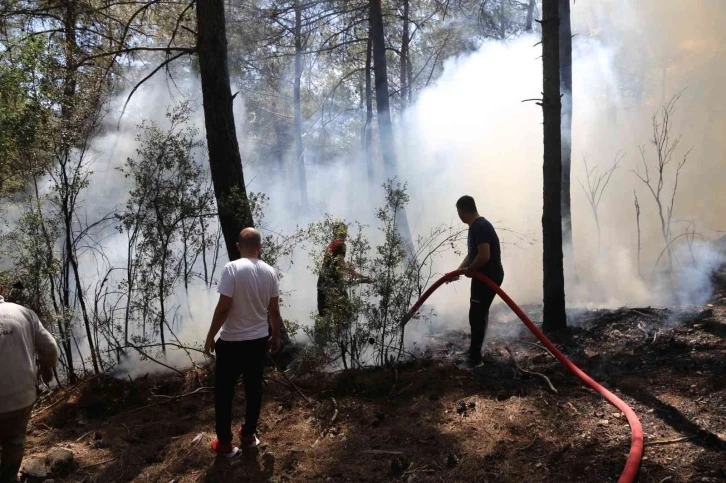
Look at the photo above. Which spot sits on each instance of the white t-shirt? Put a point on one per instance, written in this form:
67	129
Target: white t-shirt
251	283
21	336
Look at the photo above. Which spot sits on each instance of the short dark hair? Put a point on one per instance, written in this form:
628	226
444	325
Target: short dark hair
466	204
249	239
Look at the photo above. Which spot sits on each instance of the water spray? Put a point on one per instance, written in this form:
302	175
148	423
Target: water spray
632	465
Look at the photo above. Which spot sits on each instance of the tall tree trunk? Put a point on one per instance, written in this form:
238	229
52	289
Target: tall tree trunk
385	127
554	317
380	70
368	129
130	284
405	40
502	16
225	161
565	33
299	148
82	302
530	15
66	145
162	306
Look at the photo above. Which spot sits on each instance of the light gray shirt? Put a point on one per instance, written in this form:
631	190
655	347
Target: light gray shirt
21	336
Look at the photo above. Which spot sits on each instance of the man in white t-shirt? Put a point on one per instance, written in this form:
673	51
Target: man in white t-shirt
248	299
22	337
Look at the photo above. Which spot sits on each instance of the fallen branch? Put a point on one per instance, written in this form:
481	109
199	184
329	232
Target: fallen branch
531	373
144	354
668	441
98	464
400	392
171	398
539	347
68	393
282	373
335	413
382	451
84	436
51	406
529	445
424	469
282	383
644	314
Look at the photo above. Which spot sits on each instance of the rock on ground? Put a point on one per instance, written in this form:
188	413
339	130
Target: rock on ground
34	469
60	462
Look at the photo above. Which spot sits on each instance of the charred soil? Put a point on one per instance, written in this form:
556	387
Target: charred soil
428	421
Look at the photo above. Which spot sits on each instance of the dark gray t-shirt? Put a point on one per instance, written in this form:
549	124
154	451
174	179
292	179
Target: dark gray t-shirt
481	231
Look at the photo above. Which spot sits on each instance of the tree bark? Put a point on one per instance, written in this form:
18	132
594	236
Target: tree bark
68	189
554	317
565	48
405	40
530	15
299	148
81	299
380	70
368	129
385	127
225	161
502	16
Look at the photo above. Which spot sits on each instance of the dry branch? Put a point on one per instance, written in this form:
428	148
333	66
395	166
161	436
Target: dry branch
98	464
68	393
531	373
335	413
172	398
149	76
637	224
596	185
282	373
668	441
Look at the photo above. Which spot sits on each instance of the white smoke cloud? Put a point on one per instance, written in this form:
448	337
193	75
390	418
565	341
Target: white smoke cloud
471	133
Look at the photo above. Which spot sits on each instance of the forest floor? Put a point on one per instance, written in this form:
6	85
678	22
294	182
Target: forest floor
428	421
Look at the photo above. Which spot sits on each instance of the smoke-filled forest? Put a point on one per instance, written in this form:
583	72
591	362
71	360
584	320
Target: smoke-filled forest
155	153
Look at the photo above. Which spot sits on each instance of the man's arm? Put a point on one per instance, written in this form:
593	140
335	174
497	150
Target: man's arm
273	311
465	263
483	254
47	349
351	271
220	315
345	266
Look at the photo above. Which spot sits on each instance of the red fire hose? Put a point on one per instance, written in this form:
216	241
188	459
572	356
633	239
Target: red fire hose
636	442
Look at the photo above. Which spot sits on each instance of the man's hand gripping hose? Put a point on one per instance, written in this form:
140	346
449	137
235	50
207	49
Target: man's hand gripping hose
636	442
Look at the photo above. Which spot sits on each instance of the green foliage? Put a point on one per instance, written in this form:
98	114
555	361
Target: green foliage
343	328
24	114
363	326
168	203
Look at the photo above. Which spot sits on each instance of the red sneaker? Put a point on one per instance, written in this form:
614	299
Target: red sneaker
250	441
227	450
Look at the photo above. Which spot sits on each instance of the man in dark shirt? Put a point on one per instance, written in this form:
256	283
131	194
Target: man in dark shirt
483	255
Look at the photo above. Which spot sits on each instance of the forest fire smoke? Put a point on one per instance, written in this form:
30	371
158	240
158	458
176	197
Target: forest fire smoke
470	132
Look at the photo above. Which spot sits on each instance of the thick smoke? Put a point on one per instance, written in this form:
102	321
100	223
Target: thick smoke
471	133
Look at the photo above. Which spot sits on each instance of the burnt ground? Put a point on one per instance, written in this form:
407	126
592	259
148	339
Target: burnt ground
428	421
